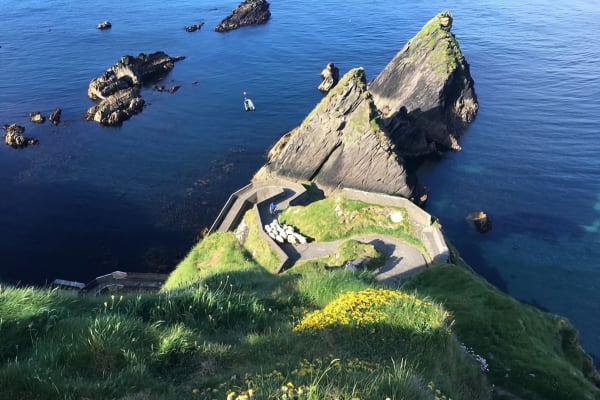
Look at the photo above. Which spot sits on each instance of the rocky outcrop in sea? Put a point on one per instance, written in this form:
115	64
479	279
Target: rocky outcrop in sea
341	144
55	116
104	25
37	117
14	136
118	89
249	12
426	94
194	27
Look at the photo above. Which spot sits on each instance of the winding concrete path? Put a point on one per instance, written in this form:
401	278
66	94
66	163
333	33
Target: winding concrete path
403	260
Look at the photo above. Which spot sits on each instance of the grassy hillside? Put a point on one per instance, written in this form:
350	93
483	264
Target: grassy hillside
224	327
236	329
530	353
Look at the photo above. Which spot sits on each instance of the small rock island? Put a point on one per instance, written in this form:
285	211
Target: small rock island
117	91
249	12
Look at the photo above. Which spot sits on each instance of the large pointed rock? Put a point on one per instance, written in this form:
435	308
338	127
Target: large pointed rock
340	144
426	94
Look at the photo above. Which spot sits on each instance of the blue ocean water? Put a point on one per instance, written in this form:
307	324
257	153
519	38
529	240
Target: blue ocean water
89	200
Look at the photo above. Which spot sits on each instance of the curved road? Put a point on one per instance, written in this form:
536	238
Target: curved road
402	260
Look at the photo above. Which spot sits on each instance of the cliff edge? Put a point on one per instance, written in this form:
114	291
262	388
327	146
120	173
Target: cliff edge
426	94
341	144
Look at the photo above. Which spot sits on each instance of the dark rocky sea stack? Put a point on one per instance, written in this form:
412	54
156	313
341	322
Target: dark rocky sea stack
249	12
426	95
55	116
340	144
118	89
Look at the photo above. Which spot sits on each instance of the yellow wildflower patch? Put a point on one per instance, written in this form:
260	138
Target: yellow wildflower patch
372	306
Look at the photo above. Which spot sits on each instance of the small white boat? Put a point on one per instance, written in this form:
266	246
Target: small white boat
248	104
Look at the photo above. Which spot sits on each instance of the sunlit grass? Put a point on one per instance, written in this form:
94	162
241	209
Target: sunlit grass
258	246
234	330
530	353
339	218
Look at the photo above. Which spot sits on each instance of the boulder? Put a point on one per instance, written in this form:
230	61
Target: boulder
330	76
116	108
118	89
340	144
37	117
104	25
481	221
426	94
14	136
55	116
249	12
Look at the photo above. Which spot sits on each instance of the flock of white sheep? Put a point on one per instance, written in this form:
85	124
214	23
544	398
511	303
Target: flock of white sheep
284	233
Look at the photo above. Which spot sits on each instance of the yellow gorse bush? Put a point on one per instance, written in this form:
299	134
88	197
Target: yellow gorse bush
372	306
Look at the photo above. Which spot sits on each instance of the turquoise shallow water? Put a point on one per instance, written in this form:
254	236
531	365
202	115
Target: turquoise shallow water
89	200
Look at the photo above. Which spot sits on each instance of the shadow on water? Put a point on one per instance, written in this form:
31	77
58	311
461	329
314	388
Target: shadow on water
75	232
471	253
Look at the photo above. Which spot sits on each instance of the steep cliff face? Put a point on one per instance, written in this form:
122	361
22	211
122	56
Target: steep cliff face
426	95
341	143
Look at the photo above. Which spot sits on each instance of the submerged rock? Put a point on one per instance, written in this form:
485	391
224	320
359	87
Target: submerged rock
14	136
341	144
330	76
118	89
249	12
426	94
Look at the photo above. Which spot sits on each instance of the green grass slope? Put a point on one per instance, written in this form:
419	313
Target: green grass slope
224	327
532	354
236	332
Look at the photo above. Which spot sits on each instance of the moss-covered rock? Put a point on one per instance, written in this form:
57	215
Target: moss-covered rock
426	94
341	143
